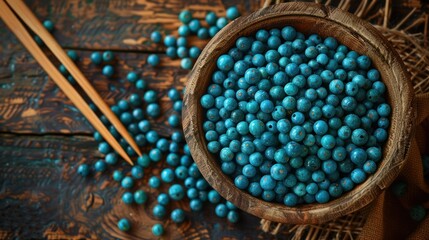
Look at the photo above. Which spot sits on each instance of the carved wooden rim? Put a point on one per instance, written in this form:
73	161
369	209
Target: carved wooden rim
326	21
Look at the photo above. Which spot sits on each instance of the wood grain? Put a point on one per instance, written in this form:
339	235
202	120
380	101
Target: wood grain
347	29
119	24
42	196
38	184
30	102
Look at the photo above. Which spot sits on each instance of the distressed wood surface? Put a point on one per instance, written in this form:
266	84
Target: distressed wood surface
42	196
43	137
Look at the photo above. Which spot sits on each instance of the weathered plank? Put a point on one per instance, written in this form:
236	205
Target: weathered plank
119	24
127	24
32	103
42	196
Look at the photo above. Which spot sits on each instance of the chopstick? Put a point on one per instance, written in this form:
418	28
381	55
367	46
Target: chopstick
34	24
21	33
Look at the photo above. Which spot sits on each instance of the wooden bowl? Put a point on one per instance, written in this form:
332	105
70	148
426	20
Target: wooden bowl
350	31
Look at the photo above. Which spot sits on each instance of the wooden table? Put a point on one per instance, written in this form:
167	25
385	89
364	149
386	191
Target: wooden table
43	138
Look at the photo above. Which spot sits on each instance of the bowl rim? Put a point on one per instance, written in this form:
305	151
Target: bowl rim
402	118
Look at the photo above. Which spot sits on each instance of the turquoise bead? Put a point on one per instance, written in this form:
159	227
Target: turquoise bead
159	211
232	13
211	18
156	37
176	192
83	170
358	175
127	182
185	16
108	56
127	198
124	225
177	215
49	25
153	60
157	230
140	197
108	71
322	196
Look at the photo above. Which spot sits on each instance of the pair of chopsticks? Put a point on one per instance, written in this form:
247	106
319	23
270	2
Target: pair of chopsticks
8	9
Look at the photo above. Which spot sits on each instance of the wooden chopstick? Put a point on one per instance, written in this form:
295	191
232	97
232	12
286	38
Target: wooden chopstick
21	33
34	24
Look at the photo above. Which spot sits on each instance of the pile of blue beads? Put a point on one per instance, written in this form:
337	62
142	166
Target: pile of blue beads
178	47
180	176
295	119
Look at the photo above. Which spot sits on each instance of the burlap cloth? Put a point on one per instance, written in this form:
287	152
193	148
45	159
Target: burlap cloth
388	216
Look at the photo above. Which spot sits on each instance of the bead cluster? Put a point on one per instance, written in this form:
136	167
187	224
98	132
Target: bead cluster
178	47
180	177
295	119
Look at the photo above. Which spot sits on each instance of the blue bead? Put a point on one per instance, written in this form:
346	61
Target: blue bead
156	37
347	184
170	41
273	42
154	182
83	170
127	198
232	13
384	110
124	225
241	182
320	127
108	71
127	182
262	35
211	18
328	141
358	175
370	167
233	216
167	175
159	211
221	22
322	196
176	192
293	149
213	30
373	75
278	171
329	166
267	182
335	190
108	56
157	230
100	166
118	175
153	110
290	200
221	210
381	135
225	62
196	205
177	215
140	197
153	60
185	16
192	193
374	154
137	172
49	25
